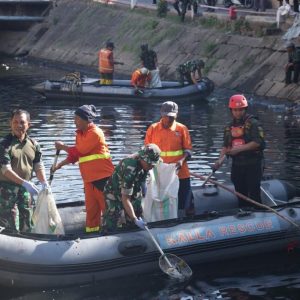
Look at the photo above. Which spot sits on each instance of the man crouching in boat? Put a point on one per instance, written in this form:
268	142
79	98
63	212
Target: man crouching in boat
20	155
124	190
139	79
190	71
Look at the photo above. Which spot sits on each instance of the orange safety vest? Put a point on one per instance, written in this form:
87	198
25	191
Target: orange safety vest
172	143
95	161
106	61
140	79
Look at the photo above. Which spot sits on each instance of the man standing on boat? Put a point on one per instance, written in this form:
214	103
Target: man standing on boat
20	155
149	60
174	140
293	65
124	190
106	64
139	79
190	71
92	154
244	143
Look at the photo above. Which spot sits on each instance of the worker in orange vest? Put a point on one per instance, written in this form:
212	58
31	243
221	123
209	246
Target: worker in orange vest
140	78
106	64
92	154
174	140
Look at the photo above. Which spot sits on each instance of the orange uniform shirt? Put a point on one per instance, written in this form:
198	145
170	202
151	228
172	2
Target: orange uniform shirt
88	144
140	79
173	142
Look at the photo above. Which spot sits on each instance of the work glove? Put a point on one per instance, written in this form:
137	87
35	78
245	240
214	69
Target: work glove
140	223
30	187
45	186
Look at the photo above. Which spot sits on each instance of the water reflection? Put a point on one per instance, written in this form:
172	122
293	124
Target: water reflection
124	126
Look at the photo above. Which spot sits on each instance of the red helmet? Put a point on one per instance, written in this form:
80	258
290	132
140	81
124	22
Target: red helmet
238	101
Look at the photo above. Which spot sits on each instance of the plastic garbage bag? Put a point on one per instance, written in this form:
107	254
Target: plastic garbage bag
46	218
161	199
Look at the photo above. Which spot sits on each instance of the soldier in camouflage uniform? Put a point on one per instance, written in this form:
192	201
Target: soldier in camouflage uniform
20	155
123	192
190	71
185	4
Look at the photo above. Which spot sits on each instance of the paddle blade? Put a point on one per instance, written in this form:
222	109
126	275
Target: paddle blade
175	267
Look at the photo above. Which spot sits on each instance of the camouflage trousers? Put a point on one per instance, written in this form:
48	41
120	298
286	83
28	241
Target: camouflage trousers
15	207
115	217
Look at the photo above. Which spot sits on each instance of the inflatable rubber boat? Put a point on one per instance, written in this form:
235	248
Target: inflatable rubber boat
122	90
217	232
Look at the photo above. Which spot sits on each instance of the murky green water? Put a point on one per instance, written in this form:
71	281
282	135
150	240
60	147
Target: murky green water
124	126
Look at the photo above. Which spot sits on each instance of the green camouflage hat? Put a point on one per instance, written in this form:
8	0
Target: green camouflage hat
150	154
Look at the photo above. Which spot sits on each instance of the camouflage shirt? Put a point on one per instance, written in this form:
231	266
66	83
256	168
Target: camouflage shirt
252	132
22	156
188	67
127	179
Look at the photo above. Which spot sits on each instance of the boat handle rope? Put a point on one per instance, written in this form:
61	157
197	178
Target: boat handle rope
246	198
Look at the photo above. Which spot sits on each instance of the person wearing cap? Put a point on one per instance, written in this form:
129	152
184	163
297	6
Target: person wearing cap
20	155
190	71
95	164
174	140
244	143
140	78
293	65
149	60
106	64
124	189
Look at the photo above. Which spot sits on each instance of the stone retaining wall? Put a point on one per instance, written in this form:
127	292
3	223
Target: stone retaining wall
76	29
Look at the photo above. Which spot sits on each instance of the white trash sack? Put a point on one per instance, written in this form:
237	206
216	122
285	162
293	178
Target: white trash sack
46	218
161	199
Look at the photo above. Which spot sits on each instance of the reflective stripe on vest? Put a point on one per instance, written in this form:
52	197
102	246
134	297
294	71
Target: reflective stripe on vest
92	229
93	157
171	153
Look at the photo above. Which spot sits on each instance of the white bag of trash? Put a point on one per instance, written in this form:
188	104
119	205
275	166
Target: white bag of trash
46	218
161	199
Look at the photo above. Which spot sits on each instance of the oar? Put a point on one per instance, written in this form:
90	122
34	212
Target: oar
247	199
178	268
53	166
213	171
269	196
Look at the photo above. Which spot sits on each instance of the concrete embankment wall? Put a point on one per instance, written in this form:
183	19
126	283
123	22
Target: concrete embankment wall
76	29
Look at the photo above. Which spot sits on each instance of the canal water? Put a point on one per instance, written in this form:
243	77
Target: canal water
124	125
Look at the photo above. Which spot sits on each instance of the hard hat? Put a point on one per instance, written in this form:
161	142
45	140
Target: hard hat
238	101
169	108
150	153
144	71
110	45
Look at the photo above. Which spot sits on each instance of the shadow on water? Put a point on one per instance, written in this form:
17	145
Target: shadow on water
272	276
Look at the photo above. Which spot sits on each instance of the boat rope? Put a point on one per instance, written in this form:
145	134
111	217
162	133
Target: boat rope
246	198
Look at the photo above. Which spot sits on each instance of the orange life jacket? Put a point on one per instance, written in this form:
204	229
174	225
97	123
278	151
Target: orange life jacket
237	136
106	61
140	79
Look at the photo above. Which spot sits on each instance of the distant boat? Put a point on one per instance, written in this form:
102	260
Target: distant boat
217	232
122	90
